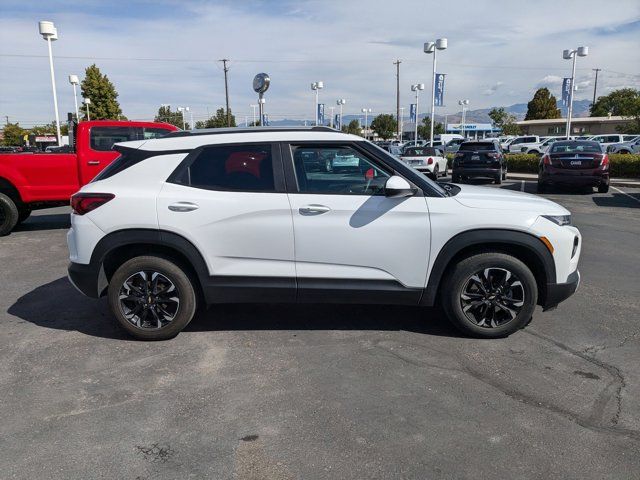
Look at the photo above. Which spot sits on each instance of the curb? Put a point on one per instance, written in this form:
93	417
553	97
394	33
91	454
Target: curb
614	182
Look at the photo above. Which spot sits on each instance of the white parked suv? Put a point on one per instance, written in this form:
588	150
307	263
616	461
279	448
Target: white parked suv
238	215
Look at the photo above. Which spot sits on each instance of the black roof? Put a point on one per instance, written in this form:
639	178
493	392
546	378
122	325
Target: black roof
220	131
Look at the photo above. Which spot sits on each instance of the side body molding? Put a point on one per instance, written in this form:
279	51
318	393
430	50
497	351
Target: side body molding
506	239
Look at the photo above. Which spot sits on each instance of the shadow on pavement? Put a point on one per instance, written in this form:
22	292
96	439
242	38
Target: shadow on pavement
618	200
59	306
45	222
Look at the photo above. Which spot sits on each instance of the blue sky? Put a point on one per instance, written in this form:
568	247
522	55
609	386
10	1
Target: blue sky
165	51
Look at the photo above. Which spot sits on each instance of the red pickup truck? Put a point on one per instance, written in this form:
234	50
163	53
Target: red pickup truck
30	181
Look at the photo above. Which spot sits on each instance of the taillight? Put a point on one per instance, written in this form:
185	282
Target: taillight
82	203
605	162
546	160
493	155
429	161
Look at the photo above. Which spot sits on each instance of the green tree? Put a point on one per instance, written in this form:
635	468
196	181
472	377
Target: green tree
49	129
504	121
543	105
624	102
219	120
13	134
165	114
353	127
384	125
102	93
424	128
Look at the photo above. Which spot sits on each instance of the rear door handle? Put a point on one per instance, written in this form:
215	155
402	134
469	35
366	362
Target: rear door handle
183	207
93	162
313	210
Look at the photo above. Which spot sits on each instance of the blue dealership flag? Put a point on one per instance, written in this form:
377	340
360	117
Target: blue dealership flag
337	122
566	91
439	90
321	114
265	120
412	113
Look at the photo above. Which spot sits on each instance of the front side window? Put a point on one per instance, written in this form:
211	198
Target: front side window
246	168
103	138
332	169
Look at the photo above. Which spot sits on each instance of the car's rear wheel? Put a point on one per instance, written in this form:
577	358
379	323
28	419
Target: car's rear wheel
456	178
498	179
152	298
603	188
8	214
490	295
436	172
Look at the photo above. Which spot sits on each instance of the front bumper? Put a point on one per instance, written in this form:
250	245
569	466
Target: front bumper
559	292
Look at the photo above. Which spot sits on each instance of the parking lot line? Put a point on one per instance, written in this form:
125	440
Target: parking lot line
625	193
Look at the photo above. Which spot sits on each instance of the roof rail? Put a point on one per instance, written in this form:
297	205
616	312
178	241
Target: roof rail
228	130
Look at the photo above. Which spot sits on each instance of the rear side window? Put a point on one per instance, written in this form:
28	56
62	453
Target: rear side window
477	146
103	138
246	168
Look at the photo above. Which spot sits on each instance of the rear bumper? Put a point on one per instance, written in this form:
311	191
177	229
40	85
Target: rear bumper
559	292
585	178
86	279
477	172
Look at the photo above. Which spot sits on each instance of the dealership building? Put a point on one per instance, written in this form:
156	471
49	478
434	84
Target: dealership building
579	126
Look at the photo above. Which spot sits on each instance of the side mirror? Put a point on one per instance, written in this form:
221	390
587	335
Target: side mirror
398	187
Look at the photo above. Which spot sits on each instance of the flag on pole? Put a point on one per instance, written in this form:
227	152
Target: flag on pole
321	114
265	120
412	113
566	91
337	122
439	90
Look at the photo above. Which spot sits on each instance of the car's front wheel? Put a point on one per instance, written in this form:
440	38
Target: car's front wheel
152	298
490	295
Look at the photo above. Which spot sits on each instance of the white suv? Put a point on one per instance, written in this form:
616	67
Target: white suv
243	215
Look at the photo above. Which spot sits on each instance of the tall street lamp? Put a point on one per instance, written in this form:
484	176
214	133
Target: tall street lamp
416	88
366	112
73	80
182	110
50	34
571	55
341	102
254	106
433	47
316	87
464	104
87	102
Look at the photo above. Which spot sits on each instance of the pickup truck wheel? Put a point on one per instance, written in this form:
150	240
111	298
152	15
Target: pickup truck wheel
23	214
490	295
8	215
152	298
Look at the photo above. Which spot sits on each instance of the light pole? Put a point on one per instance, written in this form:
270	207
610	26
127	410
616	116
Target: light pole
50	34
433	47
401	123
571	55
416	88
254	106
87	102
182	110
73	80
366	112
331	119
340	102
316	87
261	84
463	104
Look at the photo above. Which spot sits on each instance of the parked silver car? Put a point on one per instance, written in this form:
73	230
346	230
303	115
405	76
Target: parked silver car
632	146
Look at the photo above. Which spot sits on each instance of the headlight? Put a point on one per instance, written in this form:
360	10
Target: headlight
559	219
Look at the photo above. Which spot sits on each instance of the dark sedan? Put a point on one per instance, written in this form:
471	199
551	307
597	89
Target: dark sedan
575	162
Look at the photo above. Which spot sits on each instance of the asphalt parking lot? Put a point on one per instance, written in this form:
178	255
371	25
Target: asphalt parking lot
306	392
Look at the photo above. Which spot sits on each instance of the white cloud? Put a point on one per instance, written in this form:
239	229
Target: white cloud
493	88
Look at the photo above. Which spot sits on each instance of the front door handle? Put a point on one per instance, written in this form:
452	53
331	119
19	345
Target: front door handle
183	207
313	210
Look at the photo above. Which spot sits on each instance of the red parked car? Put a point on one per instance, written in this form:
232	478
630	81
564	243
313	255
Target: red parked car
574	162
30	181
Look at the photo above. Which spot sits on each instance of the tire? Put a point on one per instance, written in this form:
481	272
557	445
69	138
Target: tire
455	178
23	214
603	188
504	175
498	179
624	152
480	321
541	187
8	215
436	172
175	315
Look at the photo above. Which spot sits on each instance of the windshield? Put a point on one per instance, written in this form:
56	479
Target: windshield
576	147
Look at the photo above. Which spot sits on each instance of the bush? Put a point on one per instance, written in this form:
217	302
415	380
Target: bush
621	165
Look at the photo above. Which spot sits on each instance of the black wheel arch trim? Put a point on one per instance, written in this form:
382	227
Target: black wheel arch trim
477	238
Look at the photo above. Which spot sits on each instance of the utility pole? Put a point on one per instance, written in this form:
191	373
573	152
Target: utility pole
226	89
595	85
397	64
6	117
